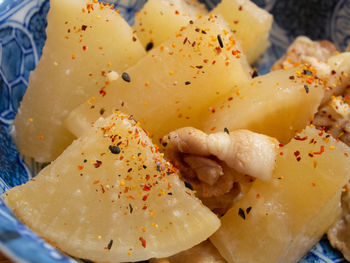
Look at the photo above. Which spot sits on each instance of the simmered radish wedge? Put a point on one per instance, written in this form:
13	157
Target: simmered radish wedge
205	252
159	20
85	41
111	197
174	83
250	23
280	220
277	104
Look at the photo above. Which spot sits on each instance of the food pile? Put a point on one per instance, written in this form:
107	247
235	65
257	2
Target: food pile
248	168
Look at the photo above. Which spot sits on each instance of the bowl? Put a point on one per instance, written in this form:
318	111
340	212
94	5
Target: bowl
22	37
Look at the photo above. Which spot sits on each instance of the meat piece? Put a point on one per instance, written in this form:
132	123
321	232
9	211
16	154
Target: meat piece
339	234
187	140
218	164
222	186
335	117
245	151
304	50
207	170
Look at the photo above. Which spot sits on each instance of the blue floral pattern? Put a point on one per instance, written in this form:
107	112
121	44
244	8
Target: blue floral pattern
22	36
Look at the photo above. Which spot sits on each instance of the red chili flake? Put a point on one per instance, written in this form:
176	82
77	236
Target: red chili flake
97	164
230	98
96	181
213	62
197	29
205	60
296	153
177	12
147	187
102	189
80	167
240	8
281	145
313	184
134	39
300	138
144	198
102	92
291	77
83	27
321	150
144	207
84	48
218	50
143	242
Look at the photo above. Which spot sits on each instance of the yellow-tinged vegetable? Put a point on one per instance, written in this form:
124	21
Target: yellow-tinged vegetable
160	20
280	220
277	104
111	197
171	86
250	23
86	41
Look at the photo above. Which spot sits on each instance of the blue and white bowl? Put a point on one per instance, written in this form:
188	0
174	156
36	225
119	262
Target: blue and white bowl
22	36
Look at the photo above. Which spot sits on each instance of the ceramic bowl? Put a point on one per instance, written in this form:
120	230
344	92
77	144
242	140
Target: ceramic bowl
22	36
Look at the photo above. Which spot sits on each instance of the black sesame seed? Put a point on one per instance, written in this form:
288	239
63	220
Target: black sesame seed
220	41
110	244
187	82
307	72
306	88
164	144
114	149
241	213
126	77
131	208
226	130
188	185
149	46
248	210
255	73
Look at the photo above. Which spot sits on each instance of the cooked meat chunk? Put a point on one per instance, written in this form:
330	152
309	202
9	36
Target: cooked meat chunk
304	50
207	170
214	163
339	234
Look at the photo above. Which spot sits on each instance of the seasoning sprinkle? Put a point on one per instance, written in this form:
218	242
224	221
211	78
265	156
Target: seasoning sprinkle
188	185
241	213
255	73
114	149
220	41
306	88
110	244
149	46
226	130
126	77
248	210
